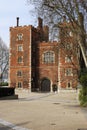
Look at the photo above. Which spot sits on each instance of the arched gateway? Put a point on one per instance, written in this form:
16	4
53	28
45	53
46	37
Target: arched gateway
45	85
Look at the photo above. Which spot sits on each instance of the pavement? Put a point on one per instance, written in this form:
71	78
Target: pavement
43	111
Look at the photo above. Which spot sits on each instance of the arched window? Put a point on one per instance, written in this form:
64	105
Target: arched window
69	84
49	57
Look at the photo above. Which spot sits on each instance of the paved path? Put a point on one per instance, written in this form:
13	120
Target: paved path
39	111
4	125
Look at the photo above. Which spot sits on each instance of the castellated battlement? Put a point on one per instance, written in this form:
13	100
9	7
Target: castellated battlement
21	27
43	31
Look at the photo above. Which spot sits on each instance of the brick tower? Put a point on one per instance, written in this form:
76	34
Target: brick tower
20	56
22	59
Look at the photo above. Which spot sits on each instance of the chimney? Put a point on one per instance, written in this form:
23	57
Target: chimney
46	33
17	21
64	18
81	19
40	22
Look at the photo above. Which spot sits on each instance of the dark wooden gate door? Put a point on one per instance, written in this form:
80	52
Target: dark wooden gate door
45	85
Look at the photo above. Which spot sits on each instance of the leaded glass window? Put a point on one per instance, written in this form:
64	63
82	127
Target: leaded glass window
49	57
68	72
19	85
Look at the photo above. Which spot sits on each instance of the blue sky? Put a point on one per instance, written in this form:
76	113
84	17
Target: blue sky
9	10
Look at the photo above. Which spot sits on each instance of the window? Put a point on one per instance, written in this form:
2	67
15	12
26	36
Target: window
68	72
20	36
68	59
20	48
68	46
19	85
20	59
19	73
69	84
48	57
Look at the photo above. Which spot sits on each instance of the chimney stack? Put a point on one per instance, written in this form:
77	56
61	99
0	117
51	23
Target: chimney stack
64	18
17	21
81	19
46	33
40	22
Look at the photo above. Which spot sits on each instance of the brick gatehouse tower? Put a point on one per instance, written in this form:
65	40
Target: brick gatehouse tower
38	64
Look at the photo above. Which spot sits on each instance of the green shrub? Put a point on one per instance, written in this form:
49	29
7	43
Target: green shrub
83	95
83	80
83	91
4	84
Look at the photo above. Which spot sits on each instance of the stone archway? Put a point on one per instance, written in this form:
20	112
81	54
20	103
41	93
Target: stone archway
45	85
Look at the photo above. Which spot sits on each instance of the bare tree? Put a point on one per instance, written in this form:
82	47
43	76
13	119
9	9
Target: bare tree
4	56
54	11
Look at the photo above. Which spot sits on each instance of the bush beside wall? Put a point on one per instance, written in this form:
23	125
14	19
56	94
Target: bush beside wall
4	84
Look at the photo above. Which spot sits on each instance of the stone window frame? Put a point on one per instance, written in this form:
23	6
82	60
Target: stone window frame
67	84
19	73
68	72
48	57
20	59
19	84
20	48
68	58
19	36
68	46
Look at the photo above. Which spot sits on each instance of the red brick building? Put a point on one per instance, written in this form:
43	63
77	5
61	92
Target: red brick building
38	64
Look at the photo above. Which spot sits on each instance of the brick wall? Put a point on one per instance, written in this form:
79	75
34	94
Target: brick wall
16	51
47	70
31	44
